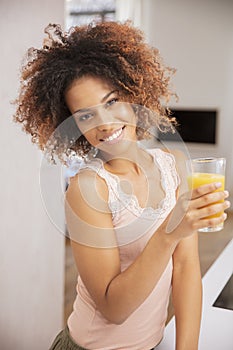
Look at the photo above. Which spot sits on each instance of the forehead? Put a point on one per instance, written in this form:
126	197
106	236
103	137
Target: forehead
86	92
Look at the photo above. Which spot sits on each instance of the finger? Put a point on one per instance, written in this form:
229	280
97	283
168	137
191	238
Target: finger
204	189
209	198
210	222
212	209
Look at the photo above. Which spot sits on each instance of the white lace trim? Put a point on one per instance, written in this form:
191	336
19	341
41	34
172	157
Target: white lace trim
119	200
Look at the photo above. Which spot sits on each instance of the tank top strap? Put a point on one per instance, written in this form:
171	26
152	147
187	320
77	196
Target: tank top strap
111	180
167	166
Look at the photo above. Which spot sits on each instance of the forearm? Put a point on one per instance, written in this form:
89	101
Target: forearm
187	300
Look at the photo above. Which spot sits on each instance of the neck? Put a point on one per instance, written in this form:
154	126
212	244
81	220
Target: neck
133	161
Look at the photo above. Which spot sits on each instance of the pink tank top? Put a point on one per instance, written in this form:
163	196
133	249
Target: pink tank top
144	328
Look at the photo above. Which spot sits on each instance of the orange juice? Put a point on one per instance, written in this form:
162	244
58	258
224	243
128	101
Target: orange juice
198	179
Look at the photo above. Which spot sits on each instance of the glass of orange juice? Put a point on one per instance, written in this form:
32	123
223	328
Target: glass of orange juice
208	170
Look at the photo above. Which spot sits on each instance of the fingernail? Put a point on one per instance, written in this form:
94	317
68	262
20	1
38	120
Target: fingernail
218	184
228	203
226	193
224	216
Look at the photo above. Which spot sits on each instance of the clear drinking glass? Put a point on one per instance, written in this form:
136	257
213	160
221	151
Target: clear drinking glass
208	170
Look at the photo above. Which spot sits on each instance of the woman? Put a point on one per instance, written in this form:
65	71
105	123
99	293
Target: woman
120	202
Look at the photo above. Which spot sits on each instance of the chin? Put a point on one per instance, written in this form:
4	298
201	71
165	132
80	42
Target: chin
118	149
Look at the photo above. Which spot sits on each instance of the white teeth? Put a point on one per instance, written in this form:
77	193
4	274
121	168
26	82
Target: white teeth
113	136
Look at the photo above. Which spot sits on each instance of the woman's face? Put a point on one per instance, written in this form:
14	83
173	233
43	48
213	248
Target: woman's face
107	124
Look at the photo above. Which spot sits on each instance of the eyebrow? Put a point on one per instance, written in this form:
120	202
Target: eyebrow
107	96
102	100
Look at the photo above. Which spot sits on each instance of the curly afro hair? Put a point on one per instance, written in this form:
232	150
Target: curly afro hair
111	51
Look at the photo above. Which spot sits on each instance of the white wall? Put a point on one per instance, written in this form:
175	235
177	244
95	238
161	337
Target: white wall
31	249
196	37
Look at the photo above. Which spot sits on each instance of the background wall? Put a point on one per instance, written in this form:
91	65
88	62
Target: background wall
31	248
196	37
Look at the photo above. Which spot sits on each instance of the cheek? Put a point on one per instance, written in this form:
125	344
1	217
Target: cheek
127	114
87	132
132	131
91	137
132	121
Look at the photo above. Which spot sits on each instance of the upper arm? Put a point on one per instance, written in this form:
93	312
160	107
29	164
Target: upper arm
93	241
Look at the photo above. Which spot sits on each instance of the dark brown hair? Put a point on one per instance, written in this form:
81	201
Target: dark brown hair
111	51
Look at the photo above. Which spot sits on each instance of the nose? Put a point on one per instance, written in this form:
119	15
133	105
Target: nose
105	127
105	121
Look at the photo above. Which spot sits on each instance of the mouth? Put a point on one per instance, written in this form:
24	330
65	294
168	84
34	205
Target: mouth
114	137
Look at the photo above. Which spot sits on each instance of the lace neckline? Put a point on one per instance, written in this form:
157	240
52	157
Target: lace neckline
148	211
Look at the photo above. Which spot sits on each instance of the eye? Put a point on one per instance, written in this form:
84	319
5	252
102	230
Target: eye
111	102
85	117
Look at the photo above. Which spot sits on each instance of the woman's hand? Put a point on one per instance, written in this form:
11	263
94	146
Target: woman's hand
194	210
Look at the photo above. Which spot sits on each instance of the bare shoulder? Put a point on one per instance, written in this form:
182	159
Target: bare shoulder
88	216
87	185
87	198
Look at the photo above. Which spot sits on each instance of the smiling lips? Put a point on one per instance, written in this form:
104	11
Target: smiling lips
114	137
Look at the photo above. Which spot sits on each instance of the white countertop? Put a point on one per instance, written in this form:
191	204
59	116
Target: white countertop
217	323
